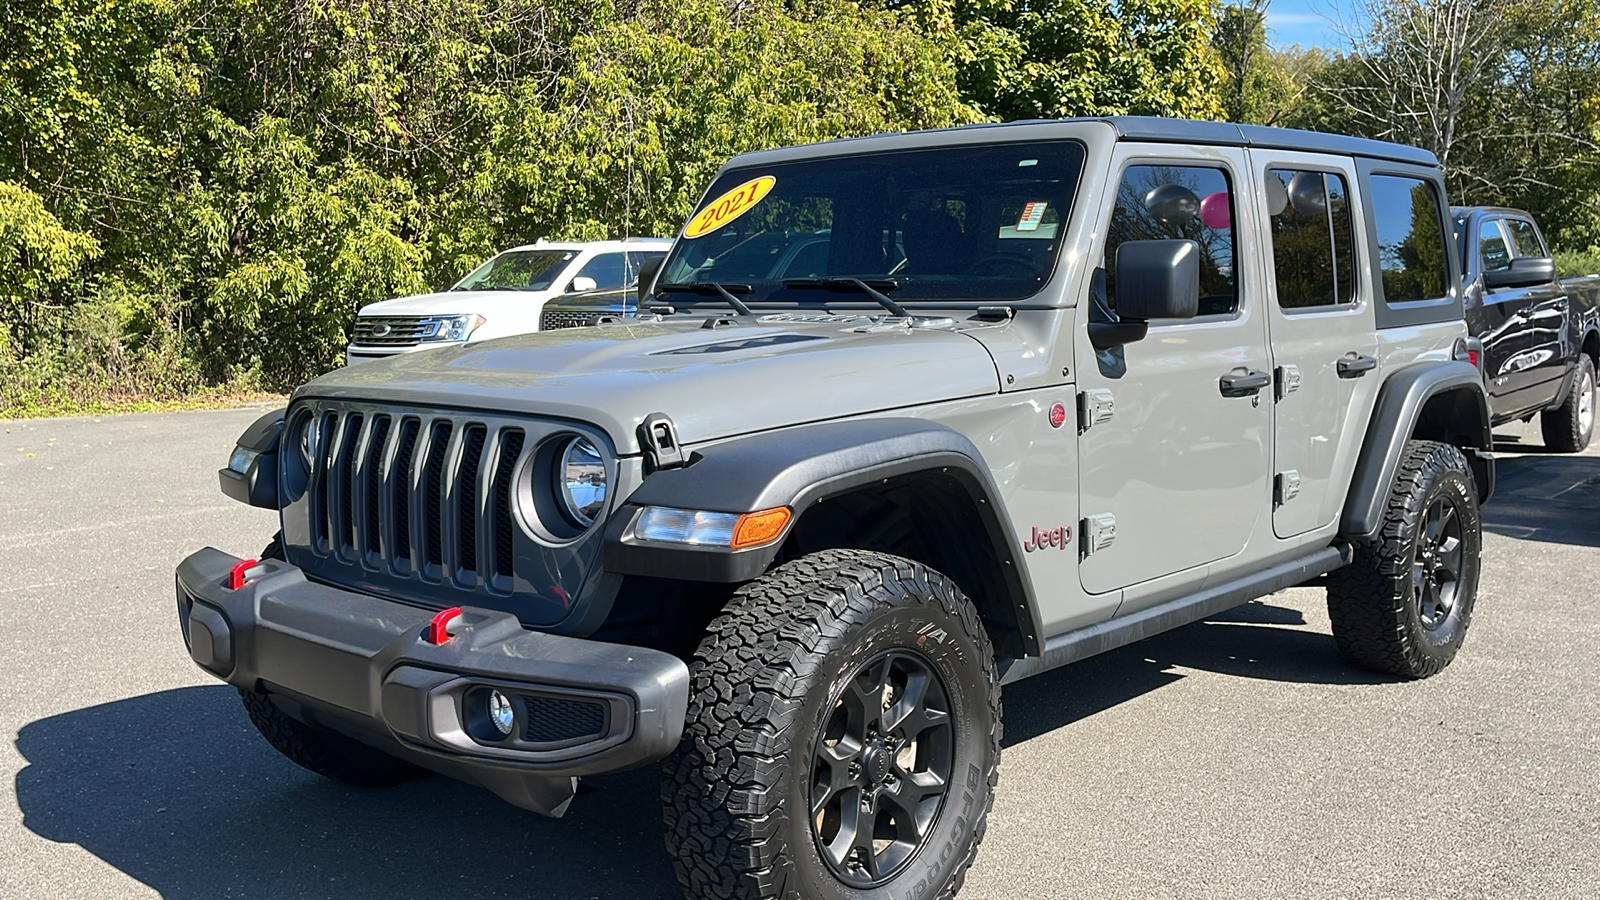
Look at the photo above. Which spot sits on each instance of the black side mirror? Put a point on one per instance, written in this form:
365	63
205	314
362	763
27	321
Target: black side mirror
1524	271
648	270
1155	280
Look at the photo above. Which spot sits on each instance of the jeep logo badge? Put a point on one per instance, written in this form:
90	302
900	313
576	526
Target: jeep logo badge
381	330
1041	538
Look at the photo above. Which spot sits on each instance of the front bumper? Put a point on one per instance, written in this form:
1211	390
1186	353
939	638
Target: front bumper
362	665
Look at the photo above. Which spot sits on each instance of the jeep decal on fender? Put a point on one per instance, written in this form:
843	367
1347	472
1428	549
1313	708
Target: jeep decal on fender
1058	538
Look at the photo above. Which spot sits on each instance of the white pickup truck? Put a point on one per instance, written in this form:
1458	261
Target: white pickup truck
504	296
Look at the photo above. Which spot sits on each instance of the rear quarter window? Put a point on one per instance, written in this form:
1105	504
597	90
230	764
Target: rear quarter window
1412	255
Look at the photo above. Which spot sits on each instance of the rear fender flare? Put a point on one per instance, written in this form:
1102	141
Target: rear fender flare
1446	401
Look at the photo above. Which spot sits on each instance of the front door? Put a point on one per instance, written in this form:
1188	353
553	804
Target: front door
1324	342
1170	462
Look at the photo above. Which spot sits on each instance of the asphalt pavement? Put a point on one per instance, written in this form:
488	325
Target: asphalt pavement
1239	757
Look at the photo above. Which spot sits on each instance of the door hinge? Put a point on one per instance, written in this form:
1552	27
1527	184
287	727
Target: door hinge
1098	531
1286	487
1288	380
658	438
1095	407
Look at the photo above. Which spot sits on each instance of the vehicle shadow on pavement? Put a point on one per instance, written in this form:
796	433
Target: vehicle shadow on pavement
177	790
1254	640
1545	497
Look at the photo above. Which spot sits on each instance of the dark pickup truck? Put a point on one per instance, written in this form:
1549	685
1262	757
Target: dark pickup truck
1540	332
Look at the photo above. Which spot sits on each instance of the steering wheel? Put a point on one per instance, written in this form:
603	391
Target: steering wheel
1005	265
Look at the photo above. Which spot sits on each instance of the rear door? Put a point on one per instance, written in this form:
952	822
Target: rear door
1323	334
1173	470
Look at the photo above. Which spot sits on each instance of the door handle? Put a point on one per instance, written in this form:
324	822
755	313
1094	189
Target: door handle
1243	384
1356	366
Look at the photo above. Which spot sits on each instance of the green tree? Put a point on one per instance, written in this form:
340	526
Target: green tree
1026	59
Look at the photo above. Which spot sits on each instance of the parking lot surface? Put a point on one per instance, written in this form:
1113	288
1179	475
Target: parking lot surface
1237	757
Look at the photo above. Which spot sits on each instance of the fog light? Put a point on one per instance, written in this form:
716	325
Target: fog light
500	712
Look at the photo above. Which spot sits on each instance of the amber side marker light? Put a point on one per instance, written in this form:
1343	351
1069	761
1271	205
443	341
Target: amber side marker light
757	528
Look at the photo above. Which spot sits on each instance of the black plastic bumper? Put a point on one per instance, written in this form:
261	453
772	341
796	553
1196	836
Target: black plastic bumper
363	666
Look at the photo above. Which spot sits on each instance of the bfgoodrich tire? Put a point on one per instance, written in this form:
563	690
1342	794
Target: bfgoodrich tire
1568	427
843	737
1403	606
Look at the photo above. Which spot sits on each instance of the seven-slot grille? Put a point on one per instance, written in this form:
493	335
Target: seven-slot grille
392	331
417	494
552	319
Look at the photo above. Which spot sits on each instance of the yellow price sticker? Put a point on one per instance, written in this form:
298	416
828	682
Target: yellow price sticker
729	206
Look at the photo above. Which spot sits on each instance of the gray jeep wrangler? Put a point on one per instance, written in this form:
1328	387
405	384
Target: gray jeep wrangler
1036	391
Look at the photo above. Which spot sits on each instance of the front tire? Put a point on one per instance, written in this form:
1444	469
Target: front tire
843	737
1568	427
327	753
1402	607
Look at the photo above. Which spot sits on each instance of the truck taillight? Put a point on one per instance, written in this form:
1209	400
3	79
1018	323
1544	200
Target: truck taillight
1472	357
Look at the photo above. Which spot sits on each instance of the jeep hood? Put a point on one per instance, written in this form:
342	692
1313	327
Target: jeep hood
714	383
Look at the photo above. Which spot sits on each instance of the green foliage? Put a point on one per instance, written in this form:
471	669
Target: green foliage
204	193
1578	263
1256	85
1028	59
1505	92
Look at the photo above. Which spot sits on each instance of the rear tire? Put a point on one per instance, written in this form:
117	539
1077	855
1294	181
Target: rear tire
843	737
1403	606
1568	427
327	753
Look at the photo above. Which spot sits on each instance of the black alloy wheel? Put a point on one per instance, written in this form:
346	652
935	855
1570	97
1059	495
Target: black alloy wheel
1436	573
881	768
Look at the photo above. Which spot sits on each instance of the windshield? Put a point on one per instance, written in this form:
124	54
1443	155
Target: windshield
518	270
965	223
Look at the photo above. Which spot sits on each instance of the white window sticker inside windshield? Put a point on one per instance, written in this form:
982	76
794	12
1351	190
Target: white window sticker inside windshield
1032	215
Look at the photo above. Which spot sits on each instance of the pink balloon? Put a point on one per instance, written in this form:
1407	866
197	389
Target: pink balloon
1214	211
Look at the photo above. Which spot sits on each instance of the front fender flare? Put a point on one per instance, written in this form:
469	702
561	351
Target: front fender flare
259	485
799	467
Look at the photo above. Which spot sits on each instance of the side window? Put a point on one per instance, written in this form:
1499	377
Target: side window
1411	242
607	270
810	261
1492	246
636	261
1310	230
1184	202
1526	238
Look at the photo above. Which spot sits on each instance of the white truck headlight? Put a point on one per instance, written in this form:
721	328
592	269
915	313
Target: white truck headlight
454	328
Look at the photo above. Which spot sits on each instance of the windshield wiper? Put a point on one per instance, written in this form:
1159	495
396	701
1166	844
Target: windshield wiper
845	282
711	289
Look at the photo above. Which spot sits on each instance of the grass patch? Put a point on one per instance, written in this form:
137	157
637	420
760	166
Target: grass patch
206	398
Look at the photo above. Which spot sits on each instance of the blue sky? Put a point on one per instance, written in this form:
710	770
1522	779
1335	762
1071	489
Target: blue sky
1304	22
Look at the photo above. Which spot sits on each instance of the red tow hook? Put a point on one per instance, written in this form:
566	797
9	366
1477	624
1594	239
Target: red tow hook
436	633
236	574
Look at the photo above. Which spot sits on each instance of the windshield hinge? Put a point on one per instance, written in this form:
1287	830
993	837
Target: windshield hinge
658	438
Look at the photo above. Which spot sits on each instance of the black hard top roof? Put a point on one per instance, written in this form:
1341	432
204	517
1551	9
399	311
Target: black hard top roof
1135	128
1191	131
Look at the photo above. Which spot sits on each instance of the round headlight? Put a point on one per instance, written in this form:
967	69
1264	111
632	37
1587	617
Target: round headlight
308	441
581	481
